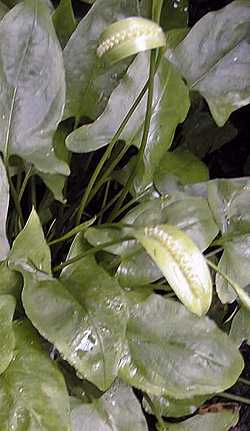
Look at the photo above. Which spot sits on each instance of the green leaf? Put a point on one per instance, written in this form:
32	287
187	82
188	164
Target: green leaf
64	21
240	328
33	395
170	107
235	263
117	410
32	86
56	182
170	407
89	81
12	3
84	315
214	59
4	205
30	248
174	353
221	421
181	263
181	164
191	214
10	281
7	308
229	201
137	269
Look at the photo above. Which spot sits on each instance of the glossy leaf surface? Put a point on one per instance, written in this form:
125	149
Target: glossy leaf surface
220	71
240	328
164	357
170	407
7	308
117	410
235	263
33	395
169	92
32	86
30	248
184	166
84	315
221	421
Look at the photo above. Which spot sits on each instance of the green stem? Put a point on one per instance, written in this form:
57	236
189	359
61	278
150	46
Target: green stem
107	154
24	184
233	397
90	252
214	252
159	419
107	172
73	231
105	198
14	196
33	192
130	203
244	381
144	136
111	202
243	296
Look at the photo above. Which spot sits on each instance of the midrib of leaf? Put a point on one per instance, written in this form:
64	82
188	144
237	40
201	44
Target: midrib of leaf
181	345
203	76
12	109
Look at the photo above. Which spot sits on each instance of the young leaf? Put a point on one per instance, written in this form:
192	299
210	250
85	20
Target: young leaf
181	262
7	308
4	205
221	421
32	86
84	315
64	21
89	81
117	410
214	59
171	352
30	248
33	395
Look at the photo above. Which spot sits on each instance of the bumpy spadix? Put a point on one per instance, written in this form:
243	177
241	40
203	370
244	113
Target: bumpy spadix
182	264
128	37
